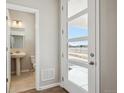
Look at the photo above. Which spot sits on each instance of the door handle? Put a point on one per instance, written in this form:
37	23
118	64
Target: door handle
92	54
70	68
91	63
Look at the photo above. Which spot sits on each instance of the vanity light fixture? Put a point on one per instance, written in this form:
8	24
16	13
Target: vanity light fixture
17	24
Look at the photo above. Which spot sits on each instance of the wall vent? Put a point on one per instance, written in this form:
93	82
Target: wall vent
48	74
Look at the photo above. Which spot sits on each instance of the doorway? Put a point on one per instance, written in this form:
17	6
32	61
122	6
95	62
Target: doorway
20	36
80	46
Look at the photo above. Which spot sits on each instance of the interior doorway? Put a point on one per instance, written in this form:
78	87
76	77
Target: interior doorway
17	38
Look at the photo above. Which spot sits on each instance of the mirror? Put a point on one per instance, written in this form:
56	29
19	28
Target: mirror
17	41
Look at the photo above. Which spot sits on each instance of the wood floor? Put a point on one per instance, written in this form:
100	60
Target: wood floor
51	90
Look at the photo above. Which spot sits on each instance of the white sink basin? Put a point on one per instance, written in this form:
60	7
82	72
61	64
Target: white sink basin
18	55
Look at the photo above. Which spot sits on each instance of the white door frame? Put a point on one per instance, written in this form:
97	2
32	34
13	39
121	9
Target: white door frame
8	62
97	70
37	54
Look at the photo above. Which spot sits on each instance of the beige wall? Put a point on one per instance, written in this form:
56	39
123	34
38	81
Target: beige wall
108	41
29	38
48	33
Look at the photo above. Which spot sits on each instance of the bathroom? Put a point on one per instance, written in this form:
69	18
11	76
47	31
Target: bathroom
22	43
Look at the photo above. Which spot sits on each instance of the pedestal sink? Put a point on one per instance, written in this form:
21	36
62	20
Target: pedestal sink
18	56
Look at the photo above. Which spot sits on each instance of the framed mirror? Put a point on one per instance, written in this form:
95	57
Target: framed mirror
17	41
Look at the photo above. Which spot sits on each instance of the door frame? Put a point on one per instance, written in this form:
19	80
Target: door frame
37	48
8	61
97	25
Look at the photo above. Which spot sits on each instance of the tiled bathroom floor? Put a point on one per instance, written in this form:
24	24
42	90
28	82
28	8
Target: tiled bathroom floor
22	83
26	84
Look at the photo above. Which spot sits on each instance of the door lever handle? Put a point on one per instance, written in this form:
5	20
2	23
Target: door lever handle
92	54
91	63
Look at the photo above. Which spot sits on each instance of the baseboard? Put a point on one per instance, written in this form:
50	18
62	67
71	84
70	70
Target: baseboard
27	70
61	85
49	86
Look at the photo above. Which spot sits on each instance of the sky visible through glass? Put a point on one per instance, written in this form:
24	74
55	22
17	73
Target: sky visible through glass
76	31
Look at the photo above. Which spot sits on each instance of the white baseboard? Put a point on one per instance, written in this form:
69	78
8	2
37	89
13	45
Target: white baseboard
27	70
61	85
49	86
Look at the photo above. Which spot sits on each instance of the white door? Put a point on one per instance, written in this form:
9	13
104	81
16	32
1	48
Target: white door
78	45
8	51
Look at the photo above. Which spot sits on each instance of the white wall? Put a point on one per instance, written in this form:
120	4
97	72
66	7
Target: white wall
108	43
48	33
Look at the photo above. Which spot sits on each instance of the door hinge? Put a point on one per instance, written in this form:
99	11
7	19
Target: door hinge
6	48
7	80
62	8
62	31
6	17
62	55
62	78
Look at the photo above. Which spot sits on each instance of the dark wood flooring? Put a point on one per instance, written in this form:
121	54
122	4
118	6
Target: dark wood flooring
51	90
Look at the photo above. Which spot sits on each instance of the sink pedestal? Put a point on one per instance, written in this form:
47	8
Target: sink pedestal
18	57
18	66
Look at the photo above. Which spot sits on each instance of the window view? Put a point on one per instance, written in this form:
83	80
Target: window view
78	39
78	50
78	43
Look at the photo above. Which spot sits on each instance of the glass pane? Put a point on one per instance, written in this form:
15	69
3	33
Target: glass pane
78	75
78	27
78	30
78	51
76	6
